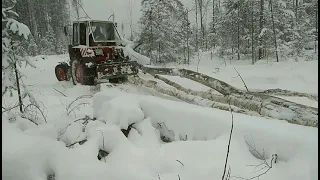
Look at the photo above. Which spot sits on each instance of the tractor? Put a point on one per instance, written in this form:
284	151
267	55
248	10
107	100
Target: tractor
96	55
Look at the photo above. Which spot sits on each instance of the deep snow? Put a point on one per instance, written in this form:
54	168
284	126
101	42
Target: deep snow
301	76
199	135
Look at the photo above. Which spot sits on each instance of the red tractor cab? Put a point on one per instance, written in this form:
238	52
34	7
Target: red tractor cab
95	54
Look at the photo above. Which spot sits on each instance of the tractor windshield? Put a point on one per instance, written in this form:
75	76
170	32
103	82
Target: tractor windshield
103	31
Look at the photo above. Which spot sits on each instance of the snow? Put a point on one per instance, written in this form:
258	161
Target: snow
197	123
187	83
200	135
298	76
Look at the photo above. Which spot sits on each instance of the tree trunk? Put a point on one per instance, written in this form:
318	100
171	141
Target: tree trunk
274	31
316	36
252	48
151	36
213	27
34	27
18	88
261	23
201	22
188	48
238	30
197	46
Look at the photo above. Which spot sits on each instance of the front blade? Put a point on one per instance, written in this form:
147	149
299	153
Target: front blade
114	70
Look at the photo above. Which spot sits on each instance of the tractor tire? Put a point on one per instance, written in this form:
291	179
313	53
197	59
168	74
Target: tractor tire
62	71
80	74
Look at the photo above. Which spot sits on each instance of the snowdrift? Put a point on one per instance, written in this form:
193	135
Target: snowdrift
184	122
197	150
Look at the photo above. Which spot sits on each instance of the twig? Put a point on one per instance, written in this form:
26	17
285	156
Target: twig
228	174
83	103
44	118
265	162
29	119
80	142
258	176
159	177
179	176
5	110
86	118
60	92
261	157
242	80
226	162
180	162
80	97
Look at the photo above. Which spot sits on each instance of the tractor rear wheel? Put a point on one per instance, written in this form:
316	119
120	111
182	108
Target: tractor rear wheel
81	74
61	71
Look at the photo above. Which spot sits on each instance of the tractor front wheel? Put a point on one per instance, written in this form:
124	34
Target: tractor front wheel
61	71
81	74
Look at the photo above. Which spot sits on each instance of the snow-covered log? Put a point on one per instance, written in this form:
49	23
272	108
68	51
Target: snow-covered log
189	98
260	102
238	102
283	92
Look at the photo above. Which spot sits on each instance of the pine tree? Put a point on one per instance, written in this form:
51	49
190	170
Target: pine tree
163	30
48	42
13	54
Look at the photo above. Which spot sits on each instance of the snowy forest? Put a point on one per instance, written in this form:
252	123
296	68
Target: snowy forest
45	19
241	29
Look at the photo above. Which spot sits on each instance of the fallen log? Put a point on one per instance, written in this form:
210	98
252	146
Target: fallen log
283	92
187	97
260	102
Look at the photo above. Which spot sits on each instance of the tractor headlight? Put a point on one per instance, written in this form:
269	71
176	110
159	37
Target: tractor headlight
98	51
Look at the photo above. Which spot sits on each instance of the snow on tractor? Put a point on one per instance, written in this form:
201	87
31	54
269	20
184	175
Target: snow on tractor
95	55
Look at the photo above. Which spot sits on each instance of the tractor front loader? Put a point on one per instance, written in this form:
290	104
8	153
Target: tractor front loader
95	55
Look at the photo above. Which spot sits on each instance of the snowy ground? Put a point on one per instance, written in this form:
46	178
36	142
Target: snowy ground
199	135
301	76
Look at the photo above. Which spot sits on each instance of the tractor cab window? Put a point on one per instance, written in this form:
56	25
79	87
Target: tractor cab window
103	32
76	34
82	34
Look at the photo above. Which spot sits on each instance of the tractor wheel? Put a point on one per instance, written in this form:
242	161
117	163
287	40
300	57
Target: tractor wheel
81	74
61	71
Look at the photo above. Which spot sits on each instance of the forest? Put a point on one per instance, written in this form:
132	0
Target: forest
242	29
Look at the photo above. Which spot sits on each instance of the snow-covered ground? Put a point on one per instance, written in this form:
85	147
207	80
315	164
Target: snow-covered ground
301	76
200	135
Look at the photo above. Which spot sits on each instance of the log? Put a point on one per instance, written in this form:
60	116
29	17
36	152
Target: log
187	97
260	102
